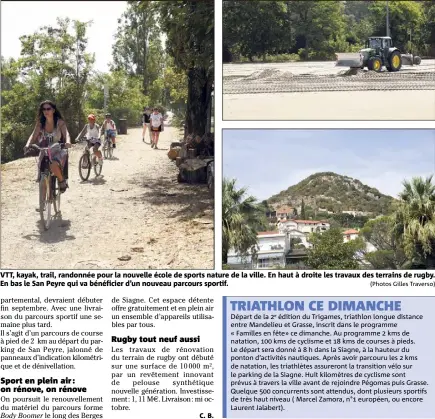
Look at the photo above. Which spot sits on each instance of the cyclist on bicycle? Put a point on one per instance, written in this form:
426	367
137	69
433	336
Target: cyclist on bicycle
50	129
109	128
93	137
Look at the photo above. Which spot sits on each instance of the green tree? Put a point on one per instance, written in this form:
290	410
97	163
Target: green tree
53	65
319	27
138	48
404	16
125	100
175	84
359	24
428	28
414	220
189	26
389	253
247	27
242	218
9	74
328	251
266	205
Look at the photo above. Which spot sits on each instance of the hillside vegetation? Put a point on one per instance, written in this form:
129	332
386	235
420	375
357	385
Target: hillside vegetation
334	192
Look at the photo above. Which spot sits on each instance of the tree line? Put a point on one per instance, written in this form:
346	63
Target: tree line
316	30
404	239
54	64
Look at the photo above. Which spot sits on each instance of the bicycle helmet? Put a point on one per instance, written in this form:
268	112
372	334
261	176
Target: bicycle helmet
108	115
91	117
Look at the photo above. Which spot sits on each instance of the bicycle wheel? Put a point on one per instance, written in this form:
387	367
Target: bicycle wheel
106	150
85	166
44	200
97	169
110	149
55	190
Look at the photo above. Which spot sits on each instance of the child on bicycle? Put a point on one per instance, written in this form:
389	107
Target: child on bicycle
109	128
93	137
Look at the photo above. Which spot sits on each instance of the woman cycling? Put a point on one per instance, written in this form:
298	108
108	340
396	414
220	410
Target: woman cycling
109	128
156	123
92	136
49	129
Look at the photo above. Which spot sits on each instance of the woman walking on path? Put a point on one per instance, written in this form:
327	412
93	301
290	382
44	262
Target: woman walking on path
146	122
156	123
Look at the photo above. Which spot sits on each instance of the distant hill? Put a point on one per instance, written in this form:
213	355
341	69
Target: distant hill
333	192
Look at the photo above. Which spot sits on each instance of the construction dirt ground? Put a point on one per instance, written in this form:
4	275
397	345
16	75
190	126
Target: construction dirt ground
322	91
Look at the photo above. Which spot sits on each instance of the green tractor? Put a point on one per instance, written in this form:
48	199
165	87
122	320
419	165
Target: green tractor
379	52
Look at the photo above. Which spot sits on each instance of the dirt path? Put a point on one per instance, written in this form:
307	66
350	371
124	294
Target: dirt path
136	210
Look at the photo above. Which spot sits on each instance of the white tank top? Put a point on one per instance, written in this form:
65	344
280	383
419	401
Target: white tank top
92	132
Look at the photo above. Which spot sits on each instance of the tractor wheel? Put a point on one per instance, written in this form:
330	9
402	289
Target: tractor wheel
375	64
417	60
395	61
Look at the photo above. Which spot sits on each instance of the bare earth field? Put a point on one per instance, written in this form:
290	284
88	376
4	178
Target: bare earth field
134	216
322	91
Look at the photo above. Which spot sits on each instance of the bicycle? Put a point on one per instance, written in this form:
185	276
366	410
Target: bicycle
49	191
85	162
107	147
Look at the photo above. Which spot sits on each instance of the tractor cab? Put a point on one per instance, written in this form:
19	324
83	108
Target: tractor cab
380	53
379	42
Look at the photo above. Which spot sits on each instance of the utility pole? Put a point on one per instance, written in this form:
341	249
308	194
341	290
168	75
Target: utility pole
106	96
388	20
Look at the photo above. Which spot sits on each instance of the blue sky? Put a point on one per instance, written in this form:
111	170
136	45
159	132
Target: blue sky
269	161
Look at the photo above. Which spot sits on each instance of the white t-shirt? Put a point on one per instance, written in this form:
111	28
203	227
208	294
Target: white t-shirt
156	119
92	132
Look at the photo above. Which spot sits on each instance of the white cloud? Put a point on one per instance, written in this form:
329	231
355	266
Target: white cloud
25	17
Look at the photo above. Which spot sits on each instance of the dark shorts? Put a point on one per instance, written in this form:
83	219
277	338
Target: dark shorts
156	129
96	145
